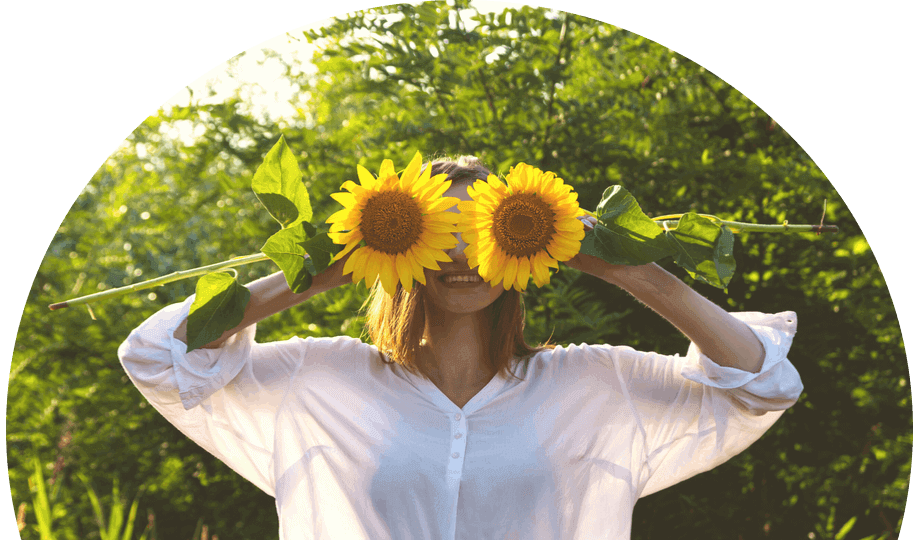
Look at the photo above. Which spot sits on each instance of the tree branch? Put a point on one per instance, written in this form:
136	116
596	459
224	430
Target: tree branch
453	120
552	92
485	87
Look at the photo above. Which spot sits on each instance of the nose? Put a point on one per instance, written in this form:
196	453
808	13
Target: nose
456	253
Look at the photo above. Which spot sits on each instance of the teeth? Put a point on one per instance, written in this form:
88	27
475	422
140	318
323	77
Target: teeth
462	279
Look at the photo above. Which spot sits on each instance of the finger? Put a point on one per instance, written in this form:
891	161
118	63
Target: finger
588	221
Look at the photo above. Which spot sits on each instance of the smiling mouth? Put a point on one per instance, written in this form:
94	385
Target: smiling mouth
452	279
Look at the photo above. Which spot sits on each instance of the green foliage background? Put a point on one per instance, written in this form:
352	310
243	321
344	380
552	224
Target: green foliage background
593	103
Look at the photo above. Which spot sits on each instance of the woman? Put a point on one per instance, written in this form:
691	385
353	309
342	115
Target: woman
461	430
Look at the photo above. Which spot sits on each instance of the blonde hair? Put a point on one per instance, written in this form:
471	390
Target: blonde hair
396	324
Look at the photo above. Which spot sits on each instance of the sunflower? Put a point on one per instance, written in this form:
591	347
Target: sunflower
522	228
401	223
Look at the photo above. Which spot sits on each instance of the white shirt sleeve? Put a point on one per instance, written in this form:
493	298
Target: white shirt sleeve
696	414
224	399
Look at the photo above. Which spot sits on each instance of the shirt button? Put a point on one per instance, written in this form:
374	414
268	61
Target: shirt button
455	455
457	416
458	435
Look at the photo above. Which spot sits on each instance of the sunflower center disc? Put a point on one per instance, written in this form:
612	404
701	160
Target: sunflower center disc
523	224
391	222
520	225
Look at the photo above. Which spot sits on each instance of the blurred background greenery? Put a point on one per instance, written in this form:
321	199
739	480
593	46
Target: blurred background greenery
591	102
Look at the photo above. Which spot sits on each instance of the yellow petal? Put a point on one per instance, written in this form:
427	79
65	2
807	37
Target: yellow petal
339	237
560	254
356	189
352	260
486	207
540	271
439	241
523	274
351	245
481	211
372	268
439	255
497	185
425	176
344	237
570	240
481	225
353	222
487	195
411	173
345	199
465	207
478	188
544	259
404	271
535	181
436	190
418	272
471	237
556	184
366	178
341	215
438	227
388	275
425	256
513	179
386	170
567	242
472	259
422	188
510	272
443	204
490	266
446	217
361	262
569	225
340	254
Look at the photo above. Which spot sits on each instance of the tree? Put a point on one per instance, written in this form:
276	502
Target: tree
591	102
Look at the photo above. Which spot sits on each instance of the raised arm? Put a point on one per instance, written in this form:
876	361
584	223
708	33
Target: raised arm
271	295
723	338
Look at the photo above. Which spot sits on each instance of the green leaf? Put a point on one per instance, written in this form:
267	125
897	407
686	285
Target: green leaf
286	248
97	507
116	514
705	159
845	530
624	234
40	502
321	249
278	183
132	515
220	302
704	249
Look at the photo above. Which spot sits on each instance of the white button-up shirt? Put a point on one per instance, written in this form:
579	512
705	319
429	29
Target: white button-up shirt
352	447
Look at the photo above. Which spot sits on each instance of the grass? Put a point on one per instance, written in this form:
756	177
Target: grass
118	526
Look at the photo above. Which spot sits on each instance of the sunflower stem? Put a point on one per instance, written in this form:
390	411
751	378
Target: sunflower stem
160	281
671	221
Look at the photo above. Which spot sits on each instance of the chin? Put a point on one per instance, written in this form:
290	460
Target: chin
459	297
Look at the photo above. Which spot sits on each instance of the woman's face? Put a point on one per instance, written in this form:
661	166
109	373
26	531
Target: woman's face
457	288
